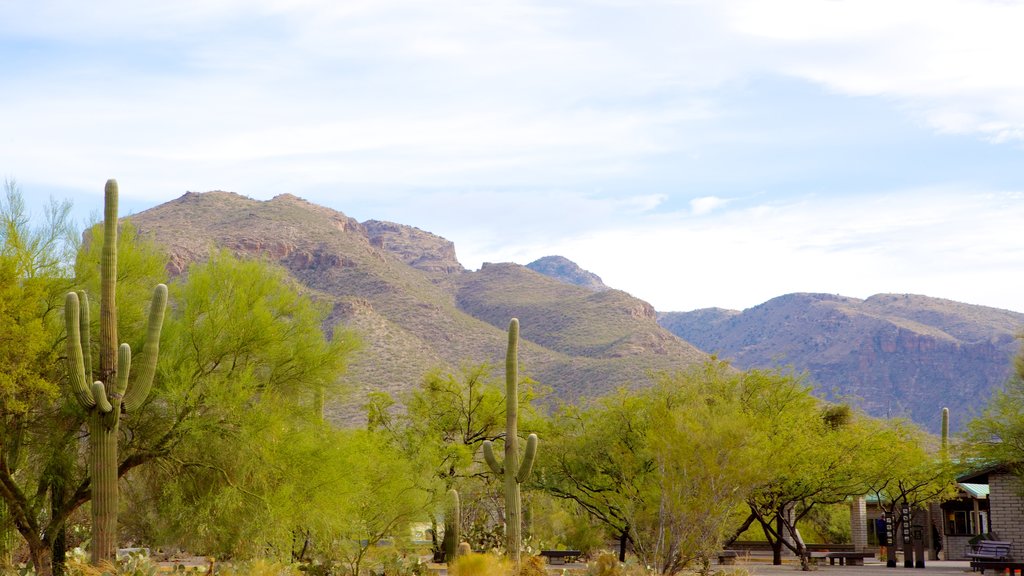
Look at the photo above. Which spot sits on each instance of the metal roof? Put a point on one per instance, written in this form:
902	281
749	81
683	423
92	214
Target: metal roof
978	491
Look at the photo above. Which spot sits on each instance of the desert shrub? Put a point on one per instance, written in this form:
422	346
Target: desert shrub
532	566
474	564
605	565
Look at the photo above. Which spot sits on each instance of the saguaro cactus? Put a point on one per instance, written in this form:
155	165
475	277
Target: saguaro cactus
452	526
514	471
118	388
945	432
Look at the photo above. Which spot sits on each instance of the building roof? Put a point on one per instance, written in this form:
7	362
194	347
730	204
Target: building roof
976	491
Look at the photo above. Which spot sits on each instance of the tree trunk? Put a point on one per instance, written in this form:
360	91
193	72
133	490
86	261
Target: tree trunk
58	546
777	544
8	537
623	540
40	555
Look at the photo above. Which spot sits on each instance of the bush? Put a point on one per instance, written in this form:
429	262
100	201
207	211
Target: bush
474	564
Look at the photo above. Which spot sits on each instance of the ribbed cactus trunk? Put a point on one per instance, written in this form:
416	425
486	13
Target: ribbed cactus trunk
945	433
452	526
514	471
103	473
106	397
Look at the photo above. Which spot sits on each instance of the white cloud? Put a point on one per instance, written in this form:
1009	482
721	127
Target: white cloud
951	62
706	204
945	243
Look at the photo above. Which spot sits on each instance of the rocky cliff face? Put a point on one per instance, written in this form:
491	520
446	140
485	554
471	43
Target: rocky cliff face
413	246
893	355
561	268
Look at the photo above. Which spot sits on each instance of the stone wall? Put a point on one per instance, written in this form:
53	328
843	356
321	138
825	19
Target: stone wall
1007	510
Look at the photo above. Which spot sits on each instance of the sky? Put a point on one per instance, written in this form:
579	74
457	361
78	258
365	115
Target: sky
694	153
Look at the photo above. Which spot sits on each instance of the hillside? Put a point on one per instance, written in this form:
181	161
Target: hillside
894	354
416	307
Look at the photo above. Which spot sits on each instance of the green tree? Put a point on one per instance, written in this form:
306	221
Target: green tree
35	428
597	458
375	496
662	468
909	470
235	423
814	455
707	460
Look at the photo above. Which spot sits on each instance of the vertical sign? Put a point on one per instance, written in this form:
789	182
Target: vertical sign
890	541
908	552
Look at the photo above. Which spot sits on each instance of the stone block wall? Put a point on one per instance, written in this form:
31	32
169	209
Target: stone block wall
1007	510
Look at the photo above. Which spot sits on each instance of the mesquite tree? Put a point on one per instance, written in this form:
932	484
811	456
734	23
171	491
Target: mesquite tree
117	387
514	471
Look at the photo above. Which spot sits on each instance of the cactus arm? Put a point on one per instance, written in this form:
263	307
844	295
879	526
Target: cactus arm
85	331
99	395
491	460
142	377
526	466
76	362
124	362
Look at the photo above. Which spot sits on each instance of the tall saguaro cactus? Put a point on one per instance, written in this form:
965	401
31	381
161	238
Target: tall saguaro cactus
945	432
117	388
452	526
515	472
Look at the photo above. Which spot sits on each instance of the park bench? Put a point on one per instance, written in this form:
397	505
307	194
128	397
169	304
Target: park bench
990	550
560	556
849	558
726	557
985	552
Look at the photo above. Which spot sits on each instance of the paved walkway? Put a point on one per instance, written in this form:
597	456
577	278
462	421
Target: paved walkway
870	568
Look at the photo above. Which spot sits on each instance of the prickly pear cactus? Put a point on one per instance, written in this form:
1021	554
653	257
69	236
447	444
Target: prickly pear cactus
118	388
514	471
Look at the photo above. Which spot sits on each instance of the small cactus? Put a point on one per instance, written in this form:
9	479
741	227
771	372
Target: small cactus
515	472
452	523
104	399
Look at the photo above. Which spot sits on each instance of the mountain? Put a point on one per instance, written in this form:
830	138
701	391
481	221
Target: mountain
894	354
561	268
417	309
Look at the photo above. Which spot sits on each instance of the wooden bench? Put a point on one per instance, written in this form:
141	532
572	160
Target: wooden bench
849	558
727	557
816	558
560	556
1000	566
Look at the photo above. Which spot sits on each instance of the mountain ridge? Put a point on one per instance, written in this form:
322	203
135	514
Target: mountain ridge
898	354
419	310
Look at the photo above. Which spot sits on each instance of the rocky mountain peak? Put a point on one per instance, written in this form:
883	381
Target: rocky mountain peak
561	268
